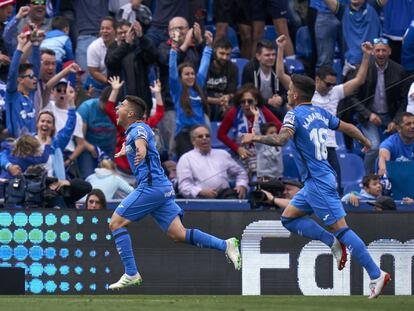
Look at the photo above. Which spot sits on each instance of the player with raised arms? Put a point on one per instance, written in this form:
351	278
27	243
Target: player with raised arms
307	125
154	195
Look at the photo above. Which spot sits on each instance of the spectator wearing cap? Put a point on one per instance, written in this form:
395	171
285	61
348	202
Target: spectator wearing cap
27	19
205	172
59	108
97	52
360	23
260	71
131	59
6	10
399	146
380	99
20	90
135	11
58	40
291	188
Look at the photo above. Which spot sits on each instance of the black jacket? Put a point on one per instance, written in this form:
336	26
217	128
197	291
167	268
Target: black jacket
131	63
251	74
396	91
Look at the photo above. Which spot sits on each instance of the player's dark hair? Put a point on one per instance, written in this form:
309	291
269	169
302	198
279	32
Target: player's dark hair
399	118
264	44
24	67
325	71
305	86
368	178
266	126
60	22
223	43
138	105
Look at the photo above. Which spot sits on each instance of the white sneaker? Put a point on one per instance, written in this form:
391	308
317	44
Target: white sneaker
233	252
376	286
339	252
126	281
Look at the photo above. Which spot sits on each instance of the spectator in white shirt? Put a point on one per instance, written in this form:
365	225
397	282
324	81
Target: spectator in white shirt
205	172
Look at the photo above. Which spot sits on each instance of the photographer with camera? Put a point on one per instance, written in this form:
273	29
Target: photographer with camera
280	200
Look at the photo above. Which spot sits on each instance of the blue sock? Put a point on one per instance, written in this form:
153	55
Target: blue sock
308	228
202	239
124	247
358	251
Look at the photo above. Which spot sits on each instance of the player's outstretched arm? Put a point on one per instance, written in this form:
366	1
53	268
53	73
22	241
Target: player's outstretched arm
272	140
141	150
355	133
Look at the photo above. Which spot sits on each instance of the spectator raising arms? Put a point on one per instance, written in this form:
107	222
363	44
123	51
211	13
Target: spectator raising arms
186	91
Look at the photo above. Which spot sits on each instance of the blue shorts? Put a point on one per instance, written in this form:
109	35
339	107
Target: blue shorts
321	199
159	201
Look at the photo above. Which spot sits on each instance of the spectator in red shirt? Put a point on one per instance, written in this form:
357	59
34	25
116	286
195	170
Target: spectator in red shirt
240	119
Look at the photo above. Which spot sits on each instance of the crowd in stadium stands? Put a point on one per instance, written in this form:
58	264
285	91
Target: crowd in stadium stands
209	72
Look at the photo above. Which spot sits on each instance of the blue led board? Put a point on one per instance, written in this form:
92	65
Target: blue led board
63	252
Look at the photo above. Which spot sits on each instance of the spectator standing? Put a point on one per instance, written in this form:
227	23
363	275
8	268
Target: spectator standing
21	86
399	146
395	27
58	40
383	96
205	172
234	12
89	15
97	52
360	22
261	72
221	81
189	50
186	89
6	10
28	18
278	10
130	60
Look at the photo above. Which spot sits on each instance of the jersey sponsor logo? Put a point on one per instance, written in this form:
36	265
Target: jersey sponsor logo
314	117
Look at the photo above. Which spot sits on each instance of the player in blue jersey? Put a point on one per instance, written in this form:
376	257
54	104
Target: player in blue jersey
307	126
154	195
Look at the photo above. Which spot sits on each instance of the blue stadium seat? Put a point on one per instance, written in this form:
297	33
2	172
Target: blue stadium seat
303	43
337	66
340	140
294	66
240	62
270	34
215	142
352	171
290	170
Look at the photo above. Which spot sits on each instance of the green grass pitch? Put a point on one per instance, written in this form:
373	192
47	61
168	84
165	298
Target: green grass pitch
201	303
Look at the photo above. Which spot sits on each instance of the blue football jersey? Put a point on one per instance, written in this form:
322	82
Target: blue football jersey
311	124
151	165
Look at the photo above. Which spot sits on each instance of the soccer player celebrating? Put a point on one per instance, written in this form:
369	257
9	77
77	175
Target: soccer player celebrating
308	126
154	195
